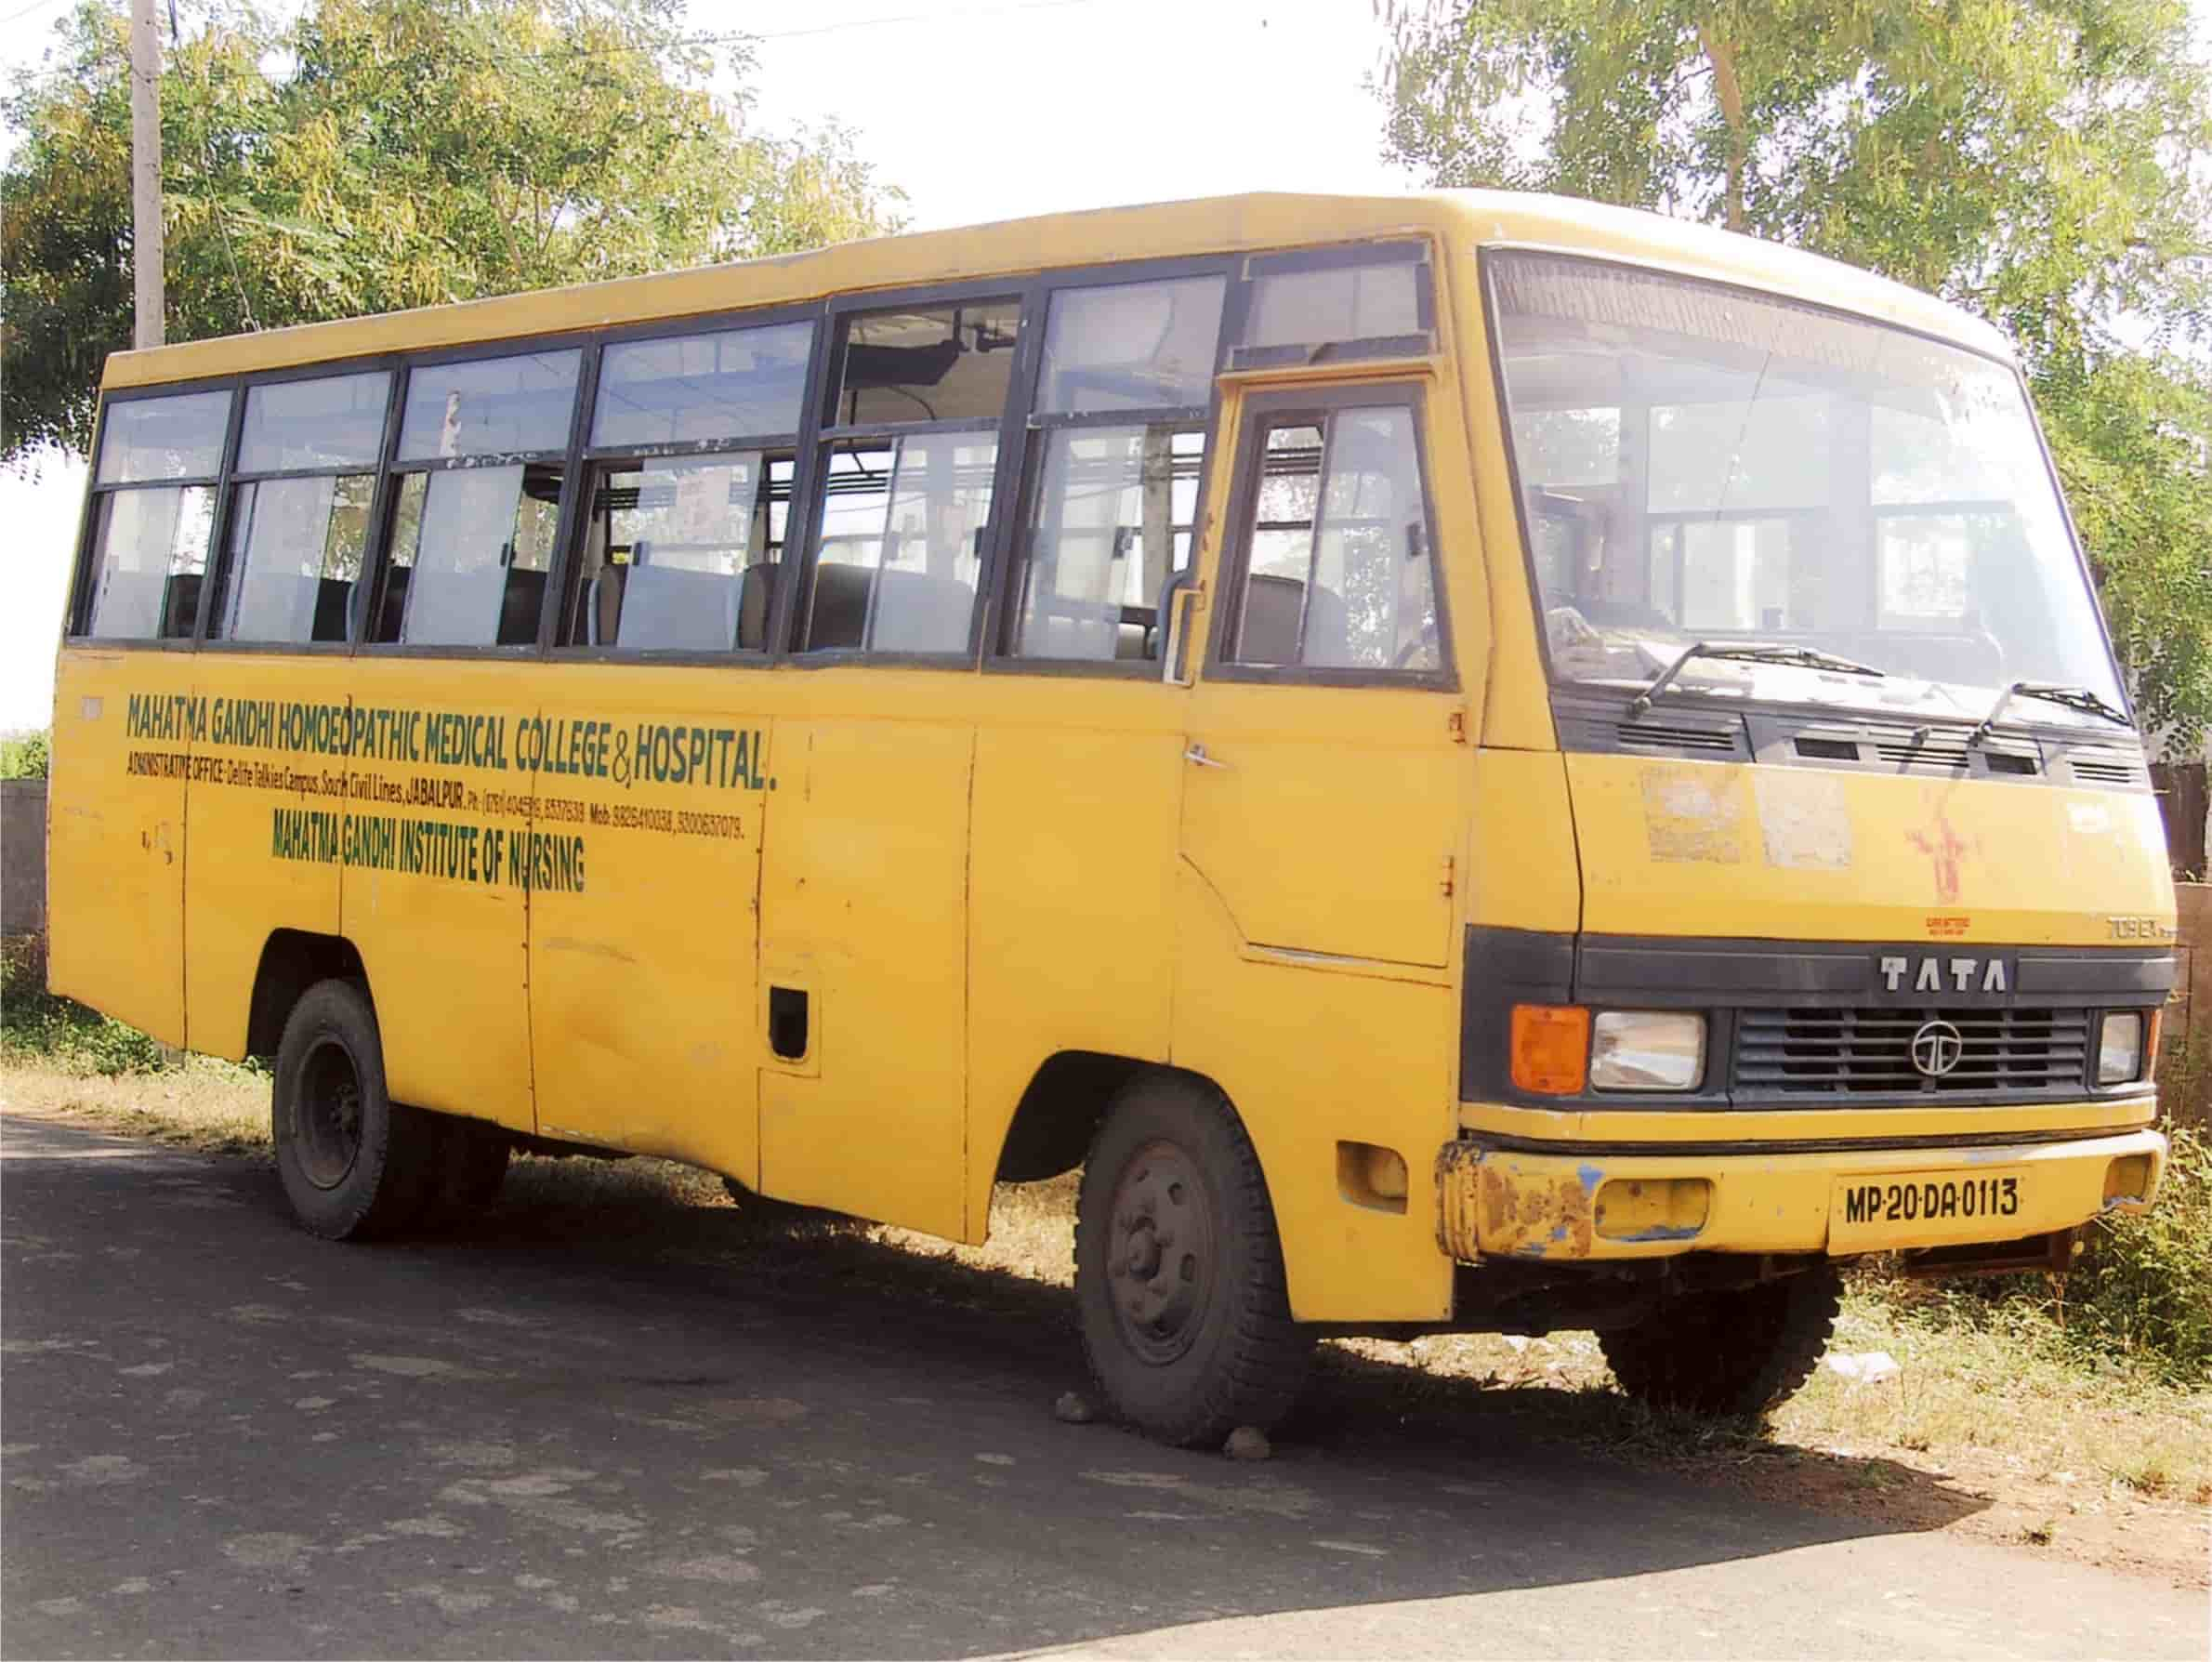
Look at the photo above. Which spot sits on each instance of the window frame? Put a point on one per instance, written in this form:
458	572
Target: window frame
1263	410
1002	658
567	569
818	434
1335	256
1019	437
77	614
391	471
1490	257
226	503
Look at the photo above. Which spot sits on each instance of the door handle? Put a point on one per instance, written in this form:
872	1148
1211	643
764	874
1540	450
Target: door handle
1197	756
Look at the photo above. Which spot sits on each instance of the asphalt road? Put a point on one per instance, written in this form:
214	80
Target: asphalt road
551	1437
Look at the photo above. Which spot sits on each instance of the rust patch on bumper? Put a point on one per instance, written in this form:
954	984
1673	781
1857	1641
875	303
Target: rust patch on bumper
1458	1166
1487	1206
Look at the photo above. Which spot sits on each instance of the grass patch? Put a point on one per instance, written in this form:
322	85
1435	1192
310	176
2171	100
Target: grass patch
37	1025
198	1104
2004	1377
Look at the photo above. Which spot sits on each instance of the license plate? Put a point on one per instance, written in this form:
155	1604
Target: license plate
1928	1207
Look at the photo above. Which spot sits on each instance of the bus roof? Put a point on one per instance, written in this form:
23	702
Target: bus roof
1213	225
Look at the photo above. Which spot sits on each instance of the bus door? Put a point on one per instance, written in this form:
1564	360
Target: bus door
1325	768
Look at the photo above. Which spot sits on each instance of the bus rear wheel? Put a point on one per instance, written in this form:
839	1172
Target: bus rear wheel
1179	1286
1735	1352
353	1163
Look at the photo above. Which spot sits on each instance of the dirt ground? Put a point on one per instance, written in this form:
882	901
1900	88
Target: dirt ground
1980	1433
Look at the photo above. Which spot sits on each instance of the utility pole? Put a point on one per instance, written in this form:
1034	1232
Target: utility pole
146	171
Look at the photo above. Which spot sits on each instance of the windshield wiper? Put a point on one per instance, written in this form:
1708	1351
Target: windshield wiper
2074	698
1756	652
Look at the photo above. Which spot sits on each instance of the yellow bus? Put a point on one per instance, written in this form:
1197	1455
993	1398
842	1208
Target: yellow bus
1476	761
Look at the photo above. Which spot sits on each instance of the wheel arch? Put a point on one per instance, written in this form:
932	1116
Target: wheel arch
292	961
1059	1111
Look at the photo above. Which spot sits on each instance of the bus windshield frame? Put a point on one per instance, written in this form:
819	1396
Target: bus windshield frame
1694	461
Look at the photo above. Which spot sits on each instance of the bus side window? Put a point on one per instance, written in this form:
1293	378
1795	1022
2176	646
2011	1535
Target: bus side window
151	558
297	541
901	541
153	515
1120	412
689	488
667	548
905	515
1338	568
482	445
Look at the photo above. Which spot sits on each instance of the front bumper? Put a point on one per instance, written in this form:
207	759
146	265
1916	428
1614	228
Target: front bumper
1573	1206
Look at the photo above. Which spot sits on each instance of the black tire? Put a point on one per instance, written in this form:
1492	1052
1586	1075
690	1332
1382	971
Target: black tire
354	1164
1734	1353
1180	1289
470	1166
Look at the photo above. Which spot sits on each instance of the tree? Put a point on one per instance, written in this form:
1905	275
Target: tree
2045	162
377	154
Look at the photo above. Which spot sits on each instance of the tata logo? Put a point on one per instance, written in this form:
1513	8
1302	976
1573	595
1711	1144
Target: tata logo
1937	1047
1936	973
2142	929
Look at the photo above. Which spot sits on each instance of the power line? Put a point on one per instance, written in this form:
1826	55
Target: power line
26	11
677	43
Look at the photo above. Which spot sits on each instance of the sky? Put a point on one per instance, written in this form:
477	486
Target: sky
980	109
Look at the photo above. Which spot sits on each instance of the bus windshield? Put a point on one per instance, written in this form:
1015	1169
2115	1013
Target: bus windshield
1701	464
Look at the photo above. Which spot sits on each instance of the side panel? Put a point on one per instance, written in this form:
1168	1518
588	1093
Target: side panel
641	969
864	912
266	812
1072	925
115	834
1311	1058
434	897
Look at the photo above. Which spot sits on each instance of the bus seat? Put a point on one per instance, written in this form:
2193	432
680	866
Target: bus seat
1270	629
675	610
331	601
840	605
917	613
606	604
519	606
395	603
757	605
180	606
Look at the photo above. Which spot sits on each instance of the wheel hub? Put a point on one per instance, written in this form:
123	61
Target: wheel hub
327	1114
1160	1252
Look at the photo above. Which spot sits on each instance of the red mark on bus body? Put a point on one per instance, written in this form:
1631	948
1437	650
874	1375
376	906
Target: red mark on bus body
1946	852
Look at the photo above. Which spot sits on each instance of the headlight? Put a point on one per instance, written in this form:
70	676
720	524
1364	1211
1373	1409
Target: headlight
1647	1050
2120	1052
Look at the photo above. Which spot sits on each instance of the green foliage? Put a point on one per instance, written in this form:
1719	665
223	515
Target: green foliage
36	1023
25	758
2144	1290
2045	162
2139	1299
379	155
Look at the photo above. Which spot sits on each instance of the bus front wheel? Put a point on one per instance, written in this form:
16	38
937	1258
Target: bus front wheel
353	1163
1179	1285
1739	1351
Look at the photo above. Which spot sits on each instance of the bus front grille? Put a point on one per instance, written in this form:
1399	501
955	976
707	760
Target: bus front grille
1868	1051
